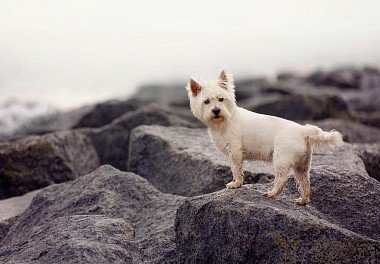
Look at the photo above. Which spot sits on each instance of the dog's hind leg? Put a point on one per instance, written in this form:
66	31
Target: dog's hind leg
283	160
281	178
302	177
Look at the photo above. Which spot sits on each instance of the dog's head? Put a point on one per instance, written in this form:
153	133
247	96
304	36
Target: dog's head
213	102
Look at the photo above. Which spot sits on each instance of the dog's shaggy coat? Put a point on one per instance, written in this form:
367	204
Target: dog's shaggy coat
244	135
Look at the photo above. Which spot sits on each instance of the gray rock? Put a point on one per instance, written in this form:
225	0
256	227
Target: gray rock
370	154
112	141
167	94
183	161
300	106
369	119
37	161
11	208
370	79
241	226
249	87
103	113
363	101
353	132
344	78
96	115
107	216
5	225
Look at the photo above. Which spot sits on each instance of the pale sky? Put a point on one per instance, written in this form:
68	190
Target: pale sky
79	51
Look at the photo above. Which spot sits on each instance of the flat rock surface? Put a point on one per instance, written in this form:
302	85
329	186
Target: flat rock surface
107	216
34	162
183	161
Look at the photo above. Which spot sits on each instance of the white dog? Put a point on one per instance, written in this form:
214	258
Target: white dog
244	135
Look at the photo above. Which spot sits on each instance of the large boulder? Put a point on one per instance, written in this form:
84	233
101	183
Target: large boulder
306	106
241	226
353	132
37	161
106	216
112	141
183	161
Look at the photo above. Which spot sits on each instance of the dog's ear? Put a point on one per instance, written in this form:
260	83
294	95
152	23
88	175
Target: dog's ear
194	86
225	80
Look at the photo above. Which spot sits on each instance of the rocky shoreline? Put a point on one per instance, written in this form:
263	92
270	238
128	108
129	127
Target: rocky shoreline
138	181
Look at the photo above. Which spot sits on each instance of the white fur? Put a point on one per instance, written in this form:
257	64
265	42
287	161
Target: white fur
244	135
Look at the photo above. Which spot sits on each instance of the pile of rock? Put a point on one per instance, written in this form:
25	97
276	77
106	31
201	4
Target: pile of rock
163	199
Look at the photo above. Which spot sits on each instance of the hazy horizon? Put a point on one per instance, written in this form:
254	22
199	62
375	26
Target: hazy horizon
69	53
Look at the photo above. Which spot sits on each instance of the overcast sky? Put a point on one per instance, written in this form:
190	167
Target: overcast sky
71	52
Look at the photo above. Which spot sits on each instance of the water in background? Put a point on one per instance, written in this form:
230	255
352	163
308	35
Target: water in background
63	54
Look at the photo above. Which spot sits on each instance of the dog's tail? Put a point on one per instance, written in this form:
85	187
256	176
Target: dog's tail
319	138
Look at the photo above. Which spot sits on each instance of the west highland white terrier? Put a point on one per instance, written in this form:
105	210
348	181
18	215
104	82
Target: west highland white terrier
244	135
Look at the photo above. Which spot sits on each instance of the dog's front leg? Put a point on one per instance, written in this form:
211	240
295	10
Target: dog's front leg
236	161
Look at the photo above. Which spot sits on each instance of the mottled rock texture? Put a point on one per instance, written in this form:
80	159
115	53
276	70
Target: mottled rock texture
241	226
107	216
37	161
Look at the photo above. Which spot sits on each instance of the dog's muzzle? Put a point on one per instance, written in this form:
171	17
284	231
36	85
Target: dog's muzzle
216	112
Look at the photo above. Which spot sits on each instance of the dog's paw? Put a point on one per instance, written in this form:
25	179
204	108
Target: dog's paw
269	194
302	200
234	184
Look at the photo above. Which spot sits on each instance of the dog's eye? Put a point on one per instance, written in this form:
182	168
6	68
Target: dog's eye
221	99
207	101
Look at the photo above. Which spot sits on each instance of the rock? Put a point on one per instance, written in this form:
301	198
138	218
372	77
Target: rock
112	141
87	116
352	132
363	101
370	154
370	79
300	106
186	114
241	226
34	162
289	76
5	225
370	119
164	94
106	216
249	87
103	113
183	161
344	78
11	208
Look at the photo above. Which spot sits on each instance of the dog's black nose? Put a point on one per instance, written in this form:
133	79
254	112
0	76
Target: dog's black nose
216	111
